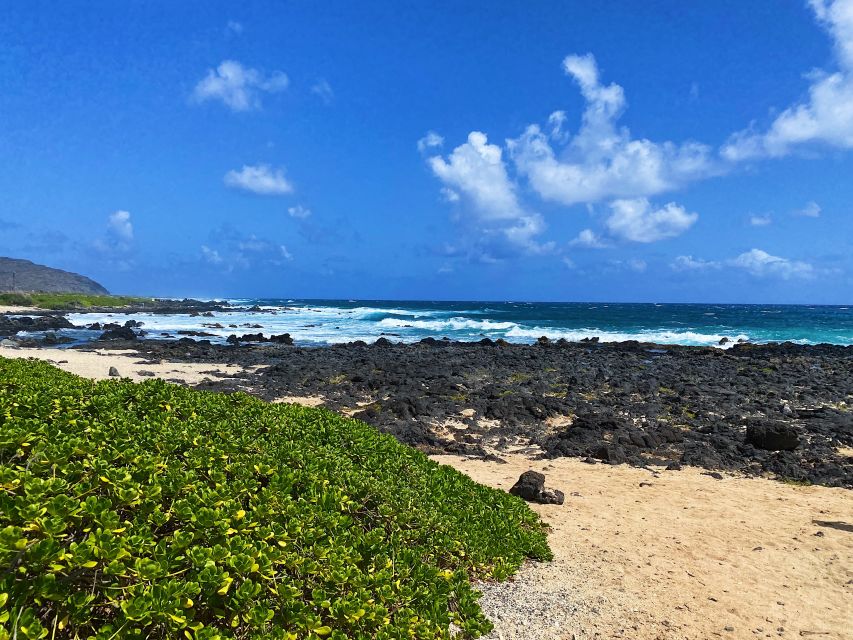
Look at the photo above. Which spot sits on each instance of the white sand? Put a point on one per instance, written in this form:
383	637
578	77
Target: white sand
682	557
96	364
18	309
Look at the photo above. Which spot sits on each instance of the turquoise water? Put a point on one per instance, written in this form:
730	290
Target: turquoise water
319	322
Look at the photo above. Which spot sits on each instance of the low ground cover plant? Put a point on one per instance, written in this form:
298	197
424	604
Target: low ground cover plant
155	511
65	301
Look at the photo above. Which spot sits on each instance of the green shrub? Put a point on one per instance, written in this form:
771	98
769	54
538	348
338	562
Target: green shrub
68	301
16	299
155	511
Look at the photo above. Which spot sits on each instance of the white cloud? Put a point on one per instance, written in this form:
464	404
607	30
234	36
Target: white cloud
449	194
476	169
760	221
211	255
557	120
260	179
324	90
689	263
299	212
285	253
120	225
811	210
430	141
603	161
238	87
234	27
523	232
589	239
636	220
826	116
760	263
634	264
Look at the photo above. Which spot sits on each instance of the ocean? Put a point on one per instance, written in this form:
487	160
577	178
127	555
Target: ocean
325	322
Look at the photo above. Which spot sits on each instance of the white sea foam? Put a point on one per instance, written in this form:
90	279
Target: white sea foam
656	336
453	324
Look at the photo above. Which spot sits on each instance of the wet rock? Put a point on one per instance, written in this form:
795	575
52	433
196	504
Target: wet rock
11	324
118	333
531	487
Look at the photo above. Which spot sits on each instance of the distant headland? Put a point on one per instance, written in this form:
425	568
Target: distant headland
17	275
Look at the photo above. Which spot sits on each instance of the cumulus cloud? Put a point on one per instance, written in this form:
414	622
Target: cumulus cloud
760	263
238	87
260	179
826	115
760	221
811	210
588	239
603	161
477	170
323	90
637	220
430	141
299	211
120	226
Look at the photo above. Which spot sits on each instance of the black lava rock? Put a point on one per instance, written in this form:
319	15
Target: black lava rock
531	487
772	436
119	333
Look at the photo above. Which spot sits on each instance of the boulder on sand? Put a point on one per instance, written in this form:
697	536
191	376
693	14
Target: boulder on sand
531	487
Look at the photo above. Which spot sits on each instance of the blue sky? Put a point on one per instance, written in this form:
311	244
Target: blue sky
433	150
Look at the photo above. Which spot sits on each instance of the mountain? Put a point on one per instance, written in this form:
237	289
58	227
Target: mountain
23	275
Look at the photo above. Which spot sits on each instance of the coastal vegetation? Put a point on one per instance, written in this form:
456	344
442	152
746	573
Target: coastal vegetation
156	511
68	301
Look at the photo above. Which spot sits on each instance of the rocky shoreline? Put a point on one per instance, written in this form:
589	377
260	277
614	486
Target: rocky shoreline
780	410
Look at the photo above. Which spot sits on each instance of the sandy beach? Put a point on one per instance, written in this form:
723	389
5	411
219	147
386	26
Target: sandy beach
638	554
677	555
96	364
8	309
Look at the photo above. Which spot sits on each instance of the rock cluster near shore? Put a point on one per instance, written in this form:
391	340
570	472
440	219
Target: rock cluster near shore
782	410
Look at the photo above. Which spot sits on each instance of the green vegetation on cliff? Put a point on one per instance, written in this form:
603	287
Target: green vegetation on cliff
155	511
68	301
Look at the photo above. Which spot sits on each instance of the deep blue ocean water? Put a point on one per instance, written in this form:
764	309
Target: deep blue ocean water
321	322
